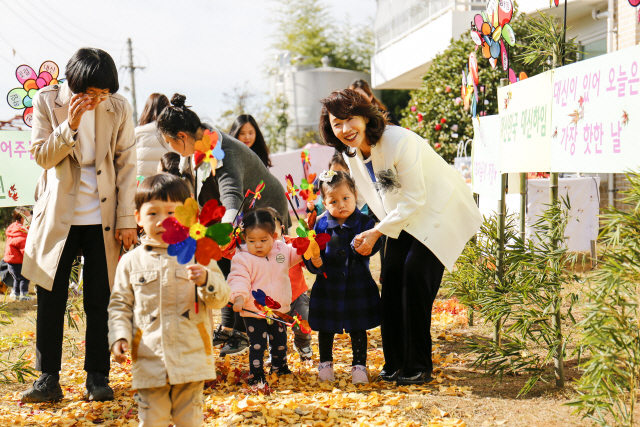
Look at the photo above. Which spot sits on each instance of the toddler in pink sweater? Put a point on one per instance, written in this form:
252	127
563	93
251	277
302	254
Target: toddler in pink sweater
263	265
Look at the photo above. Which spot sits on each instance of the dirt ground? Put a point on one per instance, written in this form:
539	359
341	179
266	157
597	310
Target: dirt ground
458	396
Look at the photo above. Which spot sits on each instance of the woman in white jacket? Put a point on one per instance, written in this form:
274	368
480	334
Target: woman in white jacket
149	143
426	211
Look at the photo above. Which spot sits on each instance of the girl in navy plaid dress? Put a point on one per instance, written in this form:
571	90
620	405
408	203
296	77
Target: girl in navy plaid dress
347	299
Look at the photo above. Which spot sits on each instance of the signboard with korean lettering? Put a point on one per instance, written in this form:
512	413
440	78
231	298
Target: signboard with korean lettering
596	114
485	163
525	124
19	172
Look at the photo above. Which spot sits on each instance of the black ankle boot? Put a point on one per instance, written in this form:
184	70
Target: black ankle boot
98	387
45	389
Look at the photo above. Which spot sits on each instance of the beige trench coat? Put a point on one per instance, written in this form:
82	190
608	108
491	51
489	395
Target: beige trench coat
54	148
152	308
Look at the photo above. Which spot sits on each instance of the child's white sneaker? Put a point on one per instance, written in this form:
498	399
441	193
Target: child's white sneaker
359	375
325	372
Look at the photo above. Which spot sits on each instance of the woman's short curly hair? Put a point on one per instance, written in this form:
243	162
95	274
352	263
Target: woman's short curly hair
349	103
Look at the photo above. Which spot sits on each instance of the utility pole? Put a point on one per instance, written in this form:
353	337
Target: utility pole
132	69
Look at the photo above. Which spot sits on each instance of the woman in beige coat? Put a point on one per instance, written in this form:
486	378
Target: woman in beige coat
83	138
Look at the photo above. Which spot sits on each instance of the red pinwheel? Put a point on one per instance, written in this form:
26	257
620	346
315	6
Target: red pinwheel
308	243
309	188
292	191
190	234
257	195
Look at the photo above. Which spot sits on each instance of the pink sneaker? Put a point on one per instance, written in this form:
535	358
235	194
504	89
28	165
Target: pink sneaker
359	375
325	372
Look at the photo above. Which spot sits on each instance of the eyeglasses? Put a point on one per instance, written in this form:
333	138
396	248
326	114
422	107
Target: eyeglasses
98	95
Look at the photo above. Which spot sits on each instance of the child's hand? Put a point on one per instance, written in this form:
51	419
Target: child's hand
317	262
119	349
310	206
197	274
238	304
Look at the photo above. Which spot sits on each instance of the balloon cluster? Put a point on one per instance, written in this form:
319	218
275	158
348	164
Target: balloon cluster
22	97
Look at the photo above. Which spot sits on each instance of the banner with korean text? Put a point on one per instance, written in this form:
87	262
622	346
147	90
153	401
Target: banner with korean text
596	114
19	172
525	124
485	163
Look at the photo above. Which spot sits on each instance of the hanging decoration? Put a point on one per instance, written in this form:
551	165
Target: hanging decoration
22	97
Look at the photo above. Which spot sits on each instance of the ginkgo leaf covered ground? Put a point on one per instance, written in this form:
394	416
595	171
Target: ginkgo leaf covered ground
458	396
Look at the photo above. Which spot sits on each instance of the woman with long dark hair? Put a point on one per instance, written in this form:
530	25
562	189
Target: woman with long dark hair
245	129
149	143
240	169
426	211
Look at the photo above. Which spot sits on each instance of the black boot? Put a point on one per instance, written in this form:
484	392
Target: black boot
98	387
44	389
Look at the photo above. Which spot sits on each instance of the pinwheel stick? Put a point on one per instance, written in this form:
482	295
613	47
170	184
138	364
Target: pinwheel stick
263	315
242	205
294	209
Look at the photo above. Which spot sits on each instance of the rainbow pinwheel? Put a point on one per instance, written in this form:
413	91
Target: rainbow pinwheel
309	188
292	190
308	243
268	307
192	232
257	195
208	150
22	97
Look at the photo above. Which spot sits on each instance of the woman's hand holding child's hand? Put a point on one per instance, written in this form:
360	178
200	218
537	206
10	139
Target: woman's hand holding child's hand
364	242
238	304
197	274
317	262
119	349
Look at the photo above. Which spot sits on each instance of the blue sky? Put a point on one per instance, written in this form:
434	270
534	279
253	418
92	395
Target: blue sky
201	48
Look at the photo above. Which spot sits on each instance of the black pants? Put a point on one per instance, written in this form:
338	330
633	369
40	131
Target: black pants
410	284
261	337
358	347
20	283
230	319
52	304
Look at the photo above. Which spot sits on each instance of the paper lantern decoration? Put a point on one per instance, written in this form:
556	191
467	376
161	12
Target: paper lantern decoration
22	97
193	232
634	3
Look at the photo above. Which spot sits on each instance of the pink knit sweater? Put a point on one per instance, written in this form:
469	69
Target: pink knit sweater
270	273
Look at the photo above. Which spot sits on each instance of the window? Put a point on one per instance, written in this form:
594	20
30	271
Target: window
593	49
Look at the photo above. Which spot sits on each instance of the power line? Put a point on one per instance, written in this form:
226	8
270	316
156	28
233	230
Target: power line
34	28
111	42
71	44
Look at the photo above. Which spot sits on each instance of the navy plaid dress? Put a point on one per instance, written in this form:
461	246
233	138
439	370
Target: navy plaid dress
348	299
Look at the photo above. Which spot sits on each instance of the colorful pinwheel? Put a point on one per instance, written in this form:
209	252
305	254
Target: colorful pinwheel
292	191
191	232
22	97
268	307
309	188
308	243
306	161
257	195
208	150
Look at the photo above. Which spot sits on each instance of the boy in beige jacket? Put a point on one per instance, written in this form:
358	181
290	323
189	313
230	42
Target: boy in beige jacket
151	313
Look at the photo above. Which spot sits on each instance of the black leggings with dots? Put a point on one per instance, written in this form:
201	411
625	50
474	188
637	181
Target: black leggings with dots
358	347
258	330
